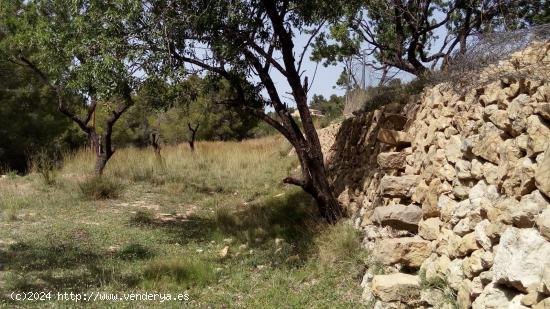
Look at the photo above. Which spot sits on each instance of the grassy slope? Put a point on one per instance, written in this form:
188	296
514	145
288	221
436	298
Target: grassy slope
165	228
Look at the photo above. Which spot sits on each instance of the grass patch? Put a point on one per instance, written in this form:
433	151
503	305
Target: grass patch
100	188
135	251
181	270
340	245
12	204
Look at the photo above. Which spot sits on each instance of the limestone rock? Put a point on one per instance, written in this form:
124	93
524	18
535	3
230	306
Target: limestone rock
539	134
429	228
529	207
398	216
409	251
453	150
543	222
464	299
463	169
398	186
392	160
542	174
480	231
494	297
488	143
395	138
467	245
479	261
396	287
520	258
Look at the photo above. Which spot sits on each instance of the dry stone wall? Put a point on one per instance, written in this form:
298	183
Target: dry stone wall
452	192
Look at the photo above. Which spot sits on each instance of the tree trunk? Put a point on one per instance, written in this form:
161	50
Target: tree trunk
193	135
156	146
100	163
328	205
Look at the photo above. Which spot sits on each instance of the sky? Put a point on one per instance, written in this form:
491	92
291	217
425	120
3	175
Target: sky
325	79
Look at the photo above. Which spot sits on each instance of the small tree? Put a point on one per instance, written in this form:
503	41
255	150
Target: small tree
78	49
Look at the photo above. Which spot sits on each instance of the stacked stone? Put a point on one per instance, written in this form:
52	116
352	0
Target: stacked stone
461	197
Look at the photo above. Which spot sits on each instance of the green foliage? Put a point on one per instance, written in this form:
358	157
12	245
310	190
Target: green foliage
395	92
100	188
29	122
419	36
166	110
332	108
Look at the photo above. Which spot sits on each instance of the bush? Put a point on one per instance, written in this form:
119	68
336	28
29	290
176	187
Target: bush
100	188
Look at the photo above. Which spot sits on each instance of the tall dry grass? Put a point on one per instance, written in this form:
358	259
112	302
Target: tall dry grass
213	167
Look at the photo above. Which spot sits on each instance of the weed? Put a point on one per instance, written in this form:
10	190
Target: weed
44	164
449	297
11	204
100	188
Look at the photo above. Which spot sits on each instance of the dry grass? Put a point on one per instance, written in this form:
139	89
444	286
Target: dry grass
213	167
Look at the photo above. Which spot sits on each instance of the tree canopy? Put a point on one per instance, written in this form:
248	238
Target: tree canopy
418	36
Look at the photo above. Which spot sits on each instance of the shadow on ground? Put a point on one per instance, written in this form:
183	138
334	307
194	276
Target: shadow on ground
292	217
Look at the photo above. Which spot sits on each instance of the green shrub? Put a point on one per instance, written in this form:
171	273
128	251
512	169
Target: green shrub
100	188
